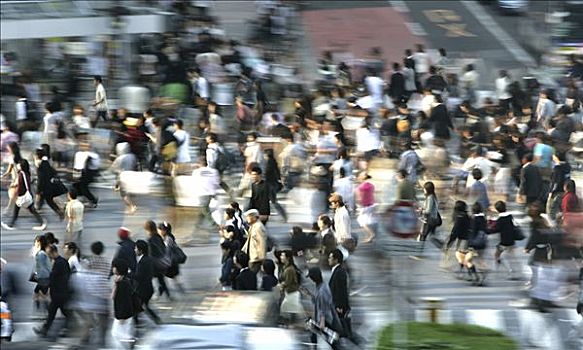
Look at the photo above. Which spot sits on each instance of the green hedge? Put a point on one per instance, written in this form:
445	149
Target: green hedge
431	336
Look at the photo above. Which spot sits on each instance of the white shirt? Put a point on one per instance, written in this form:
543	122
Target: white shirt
212	154
208	181
502	88
422	62
470	79
481	163
202	87
74	210
375	87
182	153
367	140
21	109
81	158
342	224
253	153
427	104
100	95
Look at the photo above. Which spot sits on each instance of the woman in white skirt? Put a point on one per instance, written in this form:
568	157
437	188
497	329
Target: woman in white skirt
289	285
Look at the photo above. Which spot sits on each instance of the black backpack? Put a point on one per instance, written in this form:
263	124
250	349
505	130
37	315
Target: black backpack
224	160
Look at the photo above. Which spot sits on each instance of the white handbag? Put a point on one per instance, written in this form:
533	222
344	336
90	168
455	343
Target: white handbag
25	200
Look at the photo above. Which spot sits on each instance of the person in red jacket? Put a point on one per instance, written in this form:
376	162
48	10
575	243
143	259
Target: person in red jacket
570	202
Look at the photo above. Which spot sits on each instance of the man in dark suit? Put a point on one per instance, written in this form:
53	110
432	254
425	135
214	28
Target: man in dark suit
259	195
397	87
246	279
531	181
126	248
59	289
143	279
339	283
47	190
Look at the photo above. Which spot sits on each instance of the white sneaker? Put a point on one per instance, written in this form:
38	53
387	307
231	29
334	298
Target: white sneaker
41	227
7	227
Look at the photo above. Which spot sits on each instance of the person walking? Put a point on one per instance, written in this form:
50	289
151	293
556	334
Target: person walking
74	211
157	250
342	222
459	233
256	245
99	291
429	212
339	289
48	184
289	284
86	166
59	290
100	102
183	143
365	198
173	271
273	180
477	242
12	157
325	314
531	181
123	306
143	280
24	198
126	248
41	272
260	195
505	226
208	180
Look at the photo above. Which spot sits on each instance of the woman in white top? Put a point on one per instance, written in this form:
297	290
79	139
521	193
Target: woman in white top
422	61
502	93
368	141
183	141
470	82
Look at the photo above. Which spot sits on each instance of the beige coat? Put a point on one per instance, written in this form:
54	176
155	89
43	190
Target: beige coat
256	245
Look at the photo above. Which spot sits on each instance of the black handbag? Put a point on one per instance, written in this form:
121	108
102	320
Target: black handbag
57	187
436	221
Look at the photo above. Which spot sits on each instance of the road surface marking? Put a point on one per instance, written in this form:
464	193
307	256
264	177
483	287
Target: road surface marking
399	6
455	30
442	16
494	28
415	28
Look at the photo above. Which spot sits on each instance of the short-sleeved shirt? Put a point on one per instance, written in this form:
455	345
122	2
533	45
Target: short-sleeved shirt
366	194
545	152
74	212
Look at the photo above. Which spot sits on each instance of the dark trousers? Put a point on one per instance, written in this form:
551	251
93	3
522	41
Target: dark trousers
56	304
99	115
82	188
273	199
51	202
153	316
163	288
31	209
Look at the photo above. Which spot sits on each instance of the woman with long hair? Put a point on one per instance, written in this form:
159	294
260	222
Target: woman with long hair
157	250
13	158
24	186
289	285
41	273
165	231
460	232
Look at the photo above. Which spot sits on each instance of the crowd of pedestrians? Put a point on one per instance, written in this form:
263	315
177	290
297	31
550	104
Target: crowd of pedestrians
514	150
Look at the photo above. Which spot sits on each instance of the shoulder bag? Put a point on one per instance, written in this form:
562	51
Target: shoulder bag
25	200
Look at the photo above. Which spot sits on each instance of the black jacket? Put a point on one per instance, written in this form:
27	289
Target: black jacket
436	82
440	121
126	252
531	181
477	224
143	278
461	228
245	280
561	173
339	288
157	247
505	227
272	174
280	130
122	299
260	198
45	173
59	278
397	88
538	241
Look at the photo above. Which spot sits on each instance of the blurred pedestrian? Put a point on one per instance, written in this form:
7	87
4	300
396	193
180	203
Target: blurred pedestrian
273	180
172	248
49	185
260	195
477	241
504	226
126	248
99	291
268	279
123	306
86	169
245	279
143	280
367	206
74	211
100	102
157	250
41	273
227	278
289	284
342	222
25	198
459	234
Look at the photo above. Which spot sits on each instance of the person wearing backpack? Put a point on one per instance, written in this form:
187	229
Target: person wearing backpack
476	245
218	158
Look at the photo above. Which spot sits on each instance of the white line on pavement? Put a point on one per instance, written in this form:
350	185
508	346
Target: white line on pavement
415	28
494	28
399	6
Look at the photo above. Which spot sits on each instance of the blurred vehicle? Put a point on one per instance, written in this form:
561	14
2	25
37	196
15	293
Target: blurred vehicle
519	7
222	320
